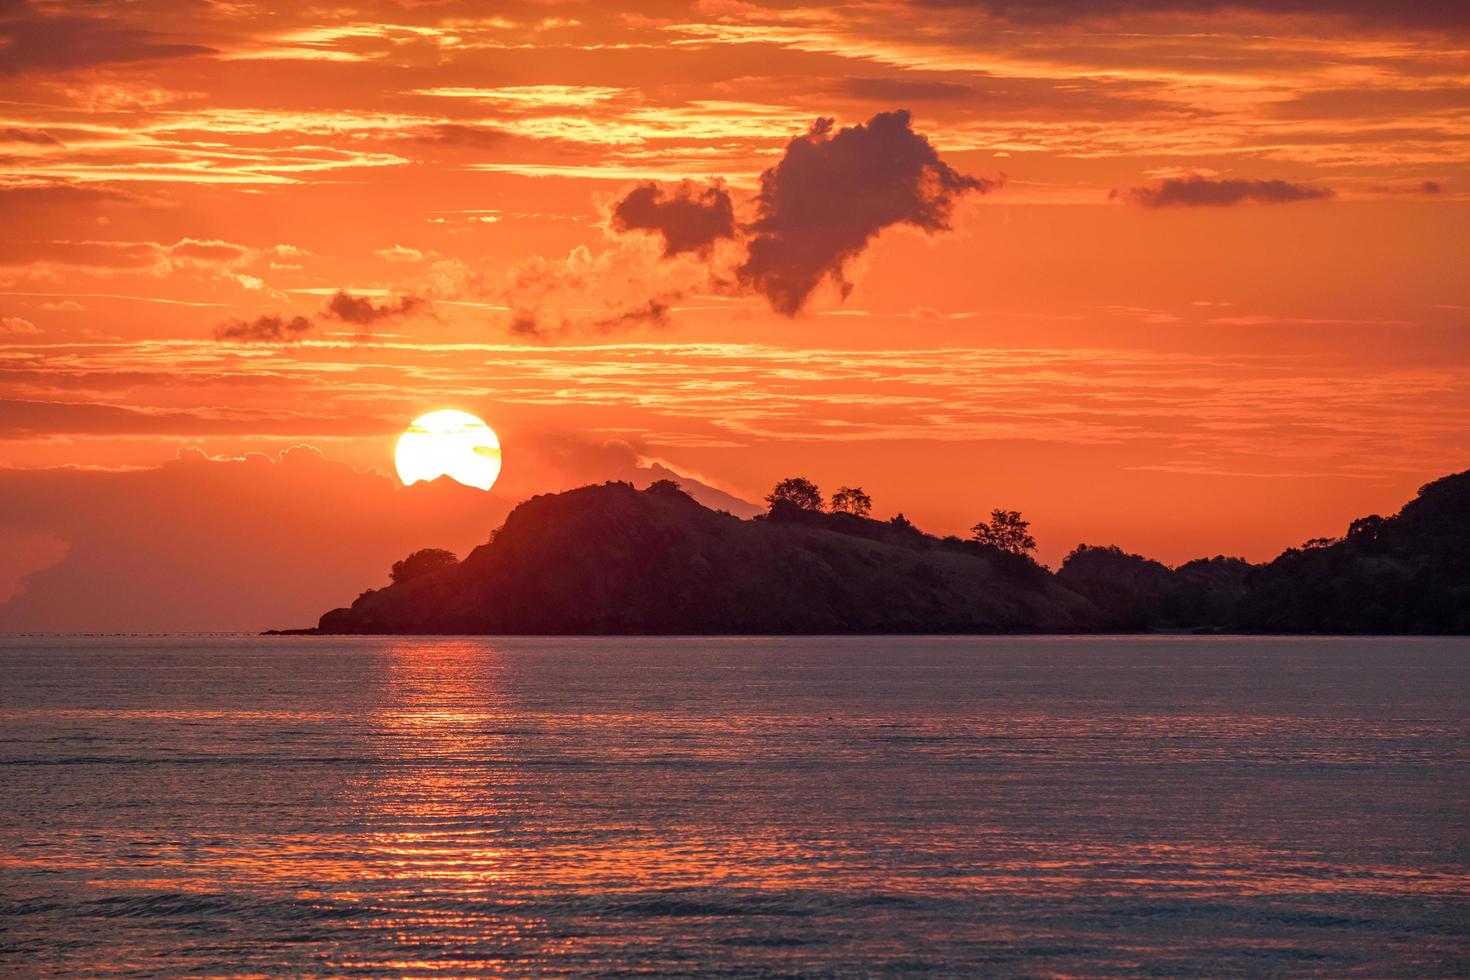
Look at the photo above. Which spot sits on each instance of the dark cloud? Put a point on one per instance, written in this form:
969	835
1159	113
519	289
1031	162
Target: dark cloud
1431	14
1416	187
1205	192
832	193
524	323
269	328
531	323
10	134
363	312
31	41
689	218
655	313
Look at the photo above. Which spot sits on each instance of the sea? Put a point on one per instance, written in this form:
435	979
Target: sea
734	807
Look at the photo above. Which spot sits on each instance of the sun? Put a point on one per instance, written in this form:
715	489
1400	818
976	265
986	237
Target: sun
448	443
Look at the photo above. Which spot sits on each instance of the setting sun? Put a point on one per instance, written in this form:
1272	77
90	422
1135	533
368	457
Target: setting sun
449	443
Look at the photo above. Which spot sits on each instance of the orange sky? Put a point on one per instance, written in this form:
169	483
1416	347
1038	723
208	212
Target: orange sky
1205	294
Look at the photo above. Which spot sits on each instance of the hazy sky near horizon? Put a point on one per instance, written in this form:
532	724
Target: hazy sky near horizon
1184	276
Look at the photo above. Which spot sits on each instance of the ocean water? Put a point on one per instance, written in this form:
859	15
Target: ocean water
734	807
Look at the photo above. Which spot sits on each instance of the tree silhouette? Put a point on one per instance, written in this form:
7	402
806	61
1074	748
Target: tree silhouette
1366	528
796	490
851	500
1007	531
421	563
666	488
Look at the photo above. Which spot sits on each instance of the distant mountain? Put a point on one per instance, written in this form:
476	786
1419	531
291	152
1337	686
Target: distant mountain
614	559
617	560
711	497
1409	573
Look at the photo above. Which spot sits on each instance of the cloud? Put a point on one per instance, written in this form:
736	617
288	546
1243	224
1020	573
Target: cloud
10	134
1407	13
54	200
97	255
880	89
268	328
464	136
30	41
277	328
1413	187
363	312
564	460
653	312
399	253
833	192
622	287
689	218
212	252
534	96
14	326
26	418
192	255
1199	191
525	323
571	455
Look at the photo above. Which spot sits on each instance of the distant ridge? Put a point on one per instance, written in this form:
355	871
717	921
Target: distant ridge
712	497
611	559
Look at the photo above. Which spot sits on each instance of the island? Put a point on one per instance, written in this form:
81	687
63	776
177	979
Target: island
614	559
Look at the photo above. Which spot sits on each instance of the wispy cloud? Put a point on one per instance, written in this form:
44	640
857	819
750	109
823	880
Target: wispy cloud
1192	192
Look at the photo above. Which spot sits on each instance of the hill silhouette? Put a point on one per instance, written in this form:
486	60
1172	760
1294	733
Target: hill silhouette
611	559
1137	593
1409	573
